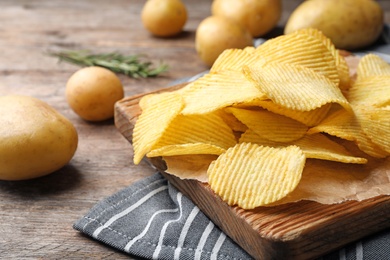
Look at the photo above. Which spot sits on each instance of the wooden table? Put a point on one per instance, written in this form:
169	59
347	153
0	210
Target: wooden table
36	216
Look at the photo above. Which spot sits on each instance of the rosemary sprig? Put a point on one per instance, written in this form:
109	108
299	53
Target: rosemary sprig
130	65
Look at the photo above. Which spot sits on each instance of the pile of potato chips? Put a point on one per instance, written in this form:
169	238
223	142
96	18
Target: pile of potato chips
248	126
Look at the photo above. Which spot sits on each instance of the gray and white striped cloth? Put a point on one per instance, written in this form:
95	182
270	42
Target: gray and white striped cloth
152	220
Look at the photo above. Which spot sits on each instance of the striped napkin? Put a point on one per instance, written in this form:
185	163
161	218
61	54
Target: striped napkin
153	220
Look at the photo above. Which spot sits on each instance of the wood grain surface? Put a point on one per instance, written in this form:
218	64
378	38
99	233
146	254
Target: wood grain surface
302	230
36	216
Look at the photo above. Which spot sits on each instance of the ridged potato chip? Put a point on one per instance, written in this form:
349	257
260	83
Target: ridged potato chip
270	125
345	125
316	146
249	175
372	65
370	91
157	115
309	118
218	90
296	87
375	123
234	59
207	128
185	149
341	64
300	48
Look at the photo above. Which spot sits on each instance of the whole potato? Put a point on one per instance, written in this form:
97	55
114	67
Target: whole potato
350	24
35	139
92	93
218	33
259	16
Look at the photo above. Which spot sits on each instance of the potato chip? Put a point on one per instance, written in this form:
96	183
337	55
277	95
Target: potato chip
249	175
341	64
185	149
207	128
375	123
234	59
372	65
232	121
345	125
193	167
296	87
370	91
157	115
270	125
316	146
303	49
218	90
309	118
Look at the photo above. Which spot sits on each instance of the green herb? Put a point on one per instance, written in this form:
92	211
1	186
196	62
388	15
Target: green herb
130	65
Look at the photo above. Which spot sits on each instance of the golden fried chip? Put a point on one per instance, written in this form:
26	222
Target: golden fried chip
375	123
183	149
192	167
309	118
296	87
270	125
372	65
207	128
341	64
159	112
316	146
233	59
302	49
232	121
256	175
218	90
345	125
370	91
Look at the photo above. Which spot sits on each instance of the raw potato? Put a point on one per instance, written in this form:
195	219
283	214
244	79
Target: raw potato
259	16
350	24
92	93
164	18
36	140
216	34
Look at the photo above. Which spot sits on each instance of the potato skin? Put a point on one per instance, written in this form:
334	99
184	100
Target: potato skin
216	34
350	24
92	92
35	139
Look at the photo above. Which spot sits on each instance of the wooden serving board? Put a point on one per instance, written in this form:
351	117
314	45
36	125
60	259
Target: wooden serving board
301	230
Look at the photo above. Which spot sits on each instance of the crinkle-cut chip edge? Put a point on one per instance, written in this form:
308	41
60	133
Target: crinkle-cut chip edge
186	149
233	59
161	114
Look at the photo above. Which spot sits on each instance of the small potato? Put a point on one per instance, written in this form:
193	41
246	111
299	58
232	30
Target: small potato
92	92
35	139
350	24
218	33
